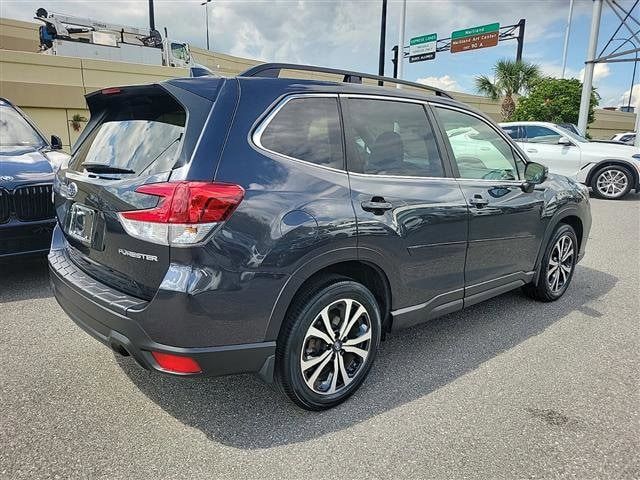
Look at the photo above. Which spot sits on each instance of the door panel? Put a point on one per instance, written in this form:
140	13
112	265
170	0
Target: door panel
541	145
423	234
411	218
505	227
504	233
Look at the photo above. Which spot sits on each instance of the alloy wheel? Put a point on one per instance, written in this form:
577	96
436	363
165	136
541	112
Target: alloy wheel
560	264
336	346
612	183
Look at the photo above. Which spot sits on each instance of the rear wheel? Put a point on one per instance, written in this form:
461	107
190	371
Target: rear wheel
557	266
328	343
612	182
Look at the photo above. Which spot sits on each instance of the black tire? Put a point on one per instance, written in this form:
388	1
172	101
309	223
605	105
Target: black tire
329	291
546	290
600	182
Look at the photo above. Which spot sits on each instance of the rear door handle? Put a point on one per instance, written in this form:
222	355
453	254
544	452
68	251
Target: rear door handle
478	201
376	206
532	150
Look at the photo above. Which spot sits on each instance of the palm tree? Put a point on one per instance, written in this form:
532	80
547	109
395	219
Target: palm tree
511	78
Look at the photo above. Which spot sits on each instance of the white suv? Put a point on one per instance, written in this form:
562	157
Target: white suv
611	170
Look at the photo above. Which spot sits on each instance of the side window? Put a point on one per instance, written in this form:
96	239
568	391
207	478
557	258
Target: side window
538	134
307	129
391	138
513	131
479	151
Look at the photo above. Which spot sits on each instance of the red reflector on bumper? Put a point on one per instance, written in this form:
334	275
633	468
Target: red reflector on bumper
176	363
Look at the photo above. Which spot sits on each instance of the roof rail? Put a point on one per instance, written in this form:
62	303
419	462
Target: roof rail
273	70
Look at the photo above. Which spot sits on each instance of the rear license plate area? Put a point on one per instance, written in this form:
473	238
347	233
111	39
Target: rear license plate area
81	223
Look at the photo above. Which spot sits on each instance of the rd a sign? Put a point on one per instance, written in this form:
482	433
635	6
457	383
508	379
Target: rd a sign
423	48
475	38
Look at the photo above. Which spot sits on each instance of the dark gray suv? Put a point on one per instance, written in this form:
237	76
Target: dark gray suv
211	226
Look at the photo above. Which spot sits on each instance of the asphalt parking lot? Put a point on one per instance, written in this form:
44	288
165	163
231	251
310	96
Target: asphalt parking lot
507	389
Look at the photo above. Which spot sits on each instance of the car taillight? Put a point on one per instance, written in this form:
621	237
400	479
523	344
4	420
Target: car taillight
185	213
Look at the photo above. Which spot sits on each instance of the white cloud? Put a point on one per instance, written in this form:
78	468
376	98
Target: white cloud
445	82
600	71
624	98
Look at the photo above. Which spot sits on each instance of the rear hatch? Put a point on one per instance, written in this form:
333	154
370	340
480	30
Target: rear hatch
136	136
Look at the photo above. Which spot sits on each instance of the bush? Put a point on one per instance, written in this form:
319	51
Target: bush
553	100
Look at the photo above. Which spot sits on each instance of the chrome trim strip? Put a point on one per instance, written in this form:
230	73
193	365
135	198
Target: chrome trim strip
402	311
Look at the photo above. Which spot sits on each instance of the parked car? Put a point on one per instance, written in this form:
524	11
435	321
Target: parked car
628	138
211	226
612	171
26	176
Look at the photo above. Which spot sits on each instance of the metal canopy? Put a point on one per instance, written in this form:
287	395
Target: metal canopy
627	33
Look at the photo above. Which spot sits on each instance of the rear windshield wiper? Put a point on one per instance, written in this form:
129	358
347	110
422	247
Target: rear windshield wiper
105	168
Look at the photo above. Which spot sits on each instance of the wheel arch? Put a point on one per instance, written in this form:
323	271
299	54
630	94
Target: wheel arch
614	162
365	272
568	216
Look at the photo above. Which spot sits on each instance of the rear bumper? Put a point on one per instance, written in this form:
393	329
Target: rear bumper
102	312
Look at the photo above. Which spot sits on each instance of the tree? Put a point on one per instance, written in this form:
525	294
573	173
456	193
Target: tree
511	78
554	100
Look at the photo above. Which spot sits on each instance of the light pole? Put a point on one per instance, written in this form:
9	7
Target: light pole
567	32
401	25
206	15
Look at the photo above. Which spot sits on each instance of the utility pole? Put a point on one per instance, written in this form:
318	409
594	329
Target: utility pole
587	82
403	15
521	24
206	15
383	36
566	39
152	20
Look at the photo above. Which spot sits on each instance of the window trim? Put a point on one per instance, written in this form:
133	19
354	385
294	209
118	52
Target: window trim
500	133
449	174
256	136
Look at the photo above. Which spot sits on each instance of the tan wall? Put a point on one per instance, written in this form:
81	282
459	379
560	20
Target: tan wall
18	35
52	89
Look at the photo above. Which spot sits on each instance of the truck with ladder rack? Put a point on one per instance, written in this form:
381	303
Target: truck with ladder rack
72	36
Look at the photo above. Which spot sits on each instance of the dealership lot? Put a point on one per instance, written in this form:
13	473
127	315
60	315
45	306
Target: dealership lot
508	388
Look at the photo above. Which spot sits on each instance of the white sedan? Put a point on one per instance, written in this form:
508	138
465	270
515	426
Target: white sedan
610	170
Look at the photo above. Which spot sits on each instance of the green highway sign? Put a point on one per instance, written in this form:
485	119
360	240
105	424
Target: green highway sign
470	32
424	39
423	48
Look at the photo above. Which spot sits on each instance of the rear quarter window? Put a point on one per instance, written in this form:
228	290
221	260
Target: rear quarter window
307	129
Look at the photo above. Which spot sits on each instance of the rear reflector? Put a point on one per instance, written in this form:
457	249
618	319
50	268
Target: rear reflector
176	363
186	211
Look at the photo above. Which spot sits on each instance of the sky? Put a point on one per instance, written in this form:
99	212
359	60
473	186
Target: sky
345	34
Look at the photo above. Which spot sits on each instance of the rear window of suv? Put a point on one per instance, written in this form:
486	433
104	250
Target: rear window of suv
142	135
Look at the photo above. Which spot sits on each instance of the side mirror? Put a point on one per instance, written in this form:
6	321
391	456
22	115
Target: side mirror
56	143
534	174
565	141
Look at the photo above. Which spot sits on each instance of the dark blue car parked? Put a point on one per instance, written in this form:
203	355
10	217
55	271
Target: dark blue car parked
26	177
210	226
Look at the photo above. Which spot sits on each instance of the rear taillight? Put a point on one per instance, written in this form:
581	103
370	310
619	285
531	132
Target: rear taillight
185	214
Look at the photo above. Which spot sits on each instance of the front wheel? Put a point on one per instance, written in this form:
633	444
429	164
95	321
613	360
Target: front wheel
557	266
612	182
328	343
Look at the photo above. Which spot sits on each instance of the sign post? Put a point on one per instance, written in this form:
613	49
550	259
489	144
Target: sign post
423	48
475	38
